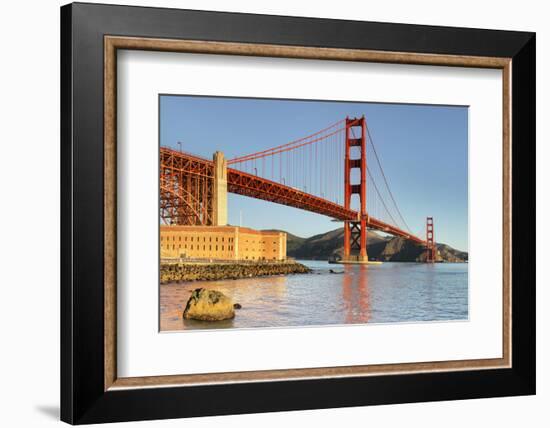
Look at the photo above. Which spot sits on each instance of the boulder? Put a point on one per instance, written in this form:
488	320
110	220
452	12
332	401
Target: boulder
208	305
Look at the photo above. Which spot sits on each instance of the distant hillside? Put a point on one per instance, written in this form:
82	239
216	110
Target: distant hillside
402	250
329	245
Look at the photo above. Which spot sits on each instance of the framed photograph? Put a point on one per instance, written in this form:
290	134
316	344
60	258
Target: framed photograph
265	213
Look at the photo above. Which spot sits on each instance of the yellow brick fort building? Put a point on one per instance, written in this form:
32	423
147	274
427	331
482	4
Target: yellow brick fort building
221	243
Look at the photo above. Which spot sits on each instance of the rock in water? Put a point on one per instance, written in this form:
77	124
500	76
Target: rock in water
208	305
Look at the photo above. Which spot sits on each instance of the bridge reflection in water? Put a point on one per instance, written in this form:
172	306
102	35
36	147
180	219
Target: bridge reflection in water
355	293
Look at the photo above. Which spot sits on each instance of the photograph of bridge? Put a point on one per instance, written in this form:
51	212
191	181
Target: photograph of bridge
281	213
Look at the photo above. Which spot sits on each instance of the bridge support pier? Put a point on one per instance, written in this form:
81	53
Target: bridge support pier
355	238
355	232
219	191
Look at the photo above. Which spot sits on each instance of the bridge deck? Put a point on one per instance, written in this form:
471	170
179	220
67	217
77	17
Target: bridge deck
251	185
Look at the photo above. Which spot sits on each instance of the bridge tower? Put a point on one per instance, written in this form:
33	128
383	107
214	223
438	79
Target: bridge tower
430	242
355	232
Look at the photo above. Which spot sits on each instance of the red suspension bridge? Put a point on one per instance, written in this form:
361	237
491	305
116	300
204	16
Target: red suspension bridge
306	173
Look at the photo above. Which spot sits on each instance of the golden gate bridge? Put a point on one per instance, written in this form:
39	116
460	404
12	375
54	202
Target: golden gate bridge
306	173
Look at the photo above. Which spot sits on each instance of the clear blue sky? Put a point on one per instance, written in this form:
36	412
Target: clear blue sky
423	149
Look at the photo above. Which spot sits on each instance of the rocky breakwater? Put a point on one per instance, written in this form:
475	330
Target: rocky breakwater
175	272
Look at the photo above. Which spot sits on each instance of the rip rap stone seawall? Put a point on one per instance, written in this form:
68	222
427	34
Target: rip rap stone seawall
176	272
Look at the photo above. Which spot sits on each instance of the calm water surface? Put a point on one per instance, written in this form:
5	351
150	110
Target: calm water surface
391	292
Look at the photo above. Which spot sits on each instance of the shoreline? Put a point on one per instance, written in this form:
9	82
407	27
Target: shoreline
197	271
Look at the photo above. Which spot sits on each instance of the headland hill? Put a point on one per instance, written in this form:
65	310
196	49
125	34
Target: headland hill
329	246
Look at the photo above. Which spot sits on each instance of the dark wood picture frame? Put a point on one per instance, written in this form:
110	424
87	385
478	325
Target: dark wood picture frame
90	389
